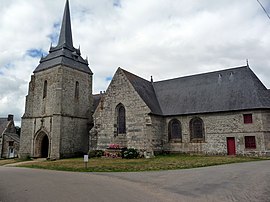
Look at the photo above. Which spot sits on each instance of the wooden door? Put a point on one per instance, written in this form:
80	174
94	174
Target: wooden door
231	146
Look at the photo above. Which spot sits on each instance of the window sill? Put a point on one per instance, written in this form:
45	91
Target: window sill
197	141
250	149
175	141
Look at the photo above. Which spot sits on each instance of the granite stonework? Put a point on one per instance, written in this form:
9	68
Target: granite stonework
58	107
219	126
120	91
148	132
60	115
9	139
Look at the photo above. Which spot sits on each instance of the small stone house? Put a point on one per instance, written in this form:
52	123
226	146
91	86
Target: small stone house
222	112
9	139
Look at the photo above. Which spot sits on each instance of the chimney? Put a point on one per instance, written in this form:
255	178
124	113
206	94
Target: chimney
10	117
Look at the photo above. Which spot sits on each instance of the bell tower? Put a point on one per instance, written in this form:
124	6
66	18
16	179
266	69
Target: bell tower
58	105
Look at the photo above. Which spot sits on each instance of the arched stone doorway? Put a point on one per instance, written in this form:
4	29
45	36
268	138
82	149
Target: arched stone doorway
45	147
42	145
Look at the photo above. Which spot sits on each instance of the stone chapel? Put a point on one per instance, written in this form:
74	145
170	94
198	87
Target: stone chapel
216	113
224	112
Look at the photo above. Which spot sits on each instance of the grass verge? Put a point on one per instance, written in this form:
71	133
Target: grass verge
9	161
164	162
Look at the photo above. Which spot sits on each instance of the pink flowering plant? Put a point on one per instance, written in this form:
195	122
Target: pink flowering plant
114	146
112	154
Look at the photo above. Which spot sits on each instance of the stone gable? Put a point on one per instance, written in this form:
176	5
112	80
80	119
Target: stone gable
120	91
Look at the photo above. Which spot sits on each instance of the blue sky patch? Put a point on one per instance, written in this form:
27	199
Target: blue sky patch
35	53
55	35
109	78
8	65
56	25
117	3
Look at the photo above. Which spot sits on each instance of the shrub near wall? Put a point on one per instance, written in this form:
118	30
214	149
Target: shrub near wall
130	153
95	153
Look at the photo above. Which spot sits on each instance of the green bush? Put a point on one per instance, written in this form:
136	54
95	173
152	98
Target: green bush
130	153
95	153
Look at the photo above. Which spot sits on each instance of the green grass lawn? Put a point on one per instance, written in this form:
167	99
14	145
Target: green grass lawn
163	162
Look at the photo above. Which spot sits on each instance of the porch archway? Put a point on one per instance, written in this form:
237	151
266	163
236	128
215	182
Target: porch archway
42	145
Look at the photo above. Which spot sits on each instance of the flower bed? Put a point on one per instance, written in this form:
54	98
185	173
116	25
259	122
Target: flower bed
113	151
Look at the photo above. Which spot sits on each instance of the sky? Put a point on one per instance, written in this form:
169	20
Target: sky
160	38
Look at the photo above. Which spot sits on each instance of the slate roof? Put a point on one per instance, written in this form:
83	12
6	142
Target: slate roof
96	100
3	124
13	136
226	90
145	90
64	53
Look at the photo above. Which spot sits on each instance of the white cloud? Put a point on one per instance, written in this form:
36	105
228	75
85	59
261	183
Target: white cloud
163	38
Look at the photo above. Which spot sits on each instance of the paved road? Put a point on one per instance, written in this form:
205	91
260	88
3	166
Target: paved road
234	182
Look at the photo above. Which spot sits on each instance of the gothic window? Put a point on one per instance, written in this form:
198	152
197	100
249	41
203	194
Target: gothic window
174	130
45	89
196	129
121	119
77	90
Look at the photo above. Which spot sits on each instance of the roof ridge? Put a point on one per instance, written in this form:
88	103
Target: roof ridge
225	90
205	73
134	74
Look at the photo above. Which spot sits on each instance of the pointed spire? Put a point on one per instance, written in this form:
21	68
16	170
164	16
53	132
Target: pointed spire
64	49
65	33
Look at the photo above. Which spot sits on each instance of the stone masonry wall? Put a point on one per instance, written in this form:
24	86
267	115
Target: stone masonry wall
26	139
39	110
156	129
219	126
72	106
75	140
58	112
121	91
266	128
6	148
